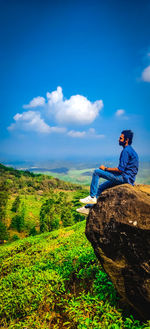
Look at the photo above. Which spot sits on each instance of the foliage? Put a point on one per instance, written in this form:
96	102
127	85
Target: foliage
18	220
3	232
16	204
34	190
17	223
56	211
15	237
33	231
28	182
3	203
66	216
76	204
3	199
54	280
48	216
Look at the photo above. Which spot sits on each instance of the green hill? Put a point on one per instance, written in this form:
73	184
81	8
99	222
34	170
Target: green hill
28	199
28	182
54	280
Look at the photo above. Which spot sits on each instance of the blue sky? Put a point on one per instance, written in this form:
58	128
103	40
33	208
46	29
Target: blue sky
74	74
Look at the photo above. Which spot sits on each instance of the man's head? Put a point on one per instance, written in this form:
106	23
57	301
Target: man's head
126	138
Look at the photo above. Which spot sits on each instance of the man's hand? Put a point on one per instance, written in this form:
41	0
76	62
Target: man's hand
102	167
116	170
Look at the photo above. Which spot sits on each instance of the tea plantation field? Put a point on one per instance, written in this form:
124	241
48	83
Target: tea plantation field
53	280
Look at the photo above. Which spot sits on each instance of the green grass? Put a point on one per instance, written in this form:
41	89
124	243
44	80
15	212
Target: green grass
143	177
32	208
32	204
54	280
73	176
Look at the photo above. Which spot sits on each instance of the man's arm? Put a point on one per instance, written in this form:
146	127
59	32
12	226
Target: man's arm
113	170
110	169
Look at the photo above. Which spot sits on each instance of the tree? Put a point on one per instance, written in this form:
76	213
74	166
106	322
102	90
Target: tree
15	237
3	203
3	232
33	231
61	202
17	221
66	216
16	204
3	200
49	219
76	204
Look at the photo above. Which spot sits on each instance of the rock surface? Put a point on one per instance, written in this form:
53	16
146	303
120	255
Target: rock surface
118	227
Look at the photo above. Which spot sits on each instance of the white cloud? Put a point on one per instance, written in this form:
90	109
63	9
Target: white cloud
58	130
119	113
55	96
146	74
91	133
75	110
35	102
78	134
32	121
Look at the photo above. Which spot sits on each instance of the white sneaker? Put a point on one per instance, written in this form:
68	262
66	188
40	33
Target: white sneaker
83	210
89	199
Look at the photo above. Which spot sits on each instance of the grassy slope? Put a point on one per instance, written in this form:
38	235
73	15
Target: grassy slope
54	281
33	190
33	203
74	176
29	182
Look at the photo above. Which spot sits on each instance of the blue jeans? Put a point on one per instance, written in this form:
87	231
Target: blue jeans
113	179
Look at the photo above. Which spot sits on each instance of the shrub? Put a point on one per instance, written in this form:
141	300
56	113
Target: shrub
3	201
49	219
16	204
33	231
67	217
3	232
17	222
15	237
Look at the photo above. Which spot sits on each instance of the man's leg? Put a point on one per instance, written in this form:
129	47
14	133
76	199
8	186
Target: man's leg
102	187
112	180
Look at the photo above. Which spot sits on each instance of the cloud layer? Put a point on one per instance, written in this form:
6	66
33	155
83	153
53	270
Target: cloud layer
35	102
146	74
81	134
120	112
76	110
32	121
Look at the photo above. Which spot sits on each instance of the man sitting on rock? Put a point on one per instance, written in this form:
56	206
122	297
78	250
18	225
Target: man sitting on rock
125	173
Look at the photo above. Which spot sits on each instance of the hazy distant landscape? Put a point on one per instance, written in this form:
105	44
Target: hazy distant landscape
78	172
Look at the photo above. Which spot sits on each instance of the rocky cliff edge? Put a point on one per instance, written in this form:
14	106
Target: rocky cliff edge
118	227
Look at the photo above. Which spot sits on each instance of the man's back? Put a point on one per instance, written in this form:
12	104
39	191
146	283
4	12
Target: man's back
128	164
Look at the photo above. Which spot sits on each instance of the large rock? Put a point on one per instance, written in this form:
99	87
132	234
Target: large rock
118	227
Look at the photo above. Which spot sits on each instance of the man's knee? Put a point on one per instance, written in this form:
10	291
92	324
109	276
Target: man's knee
94	172
97	172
